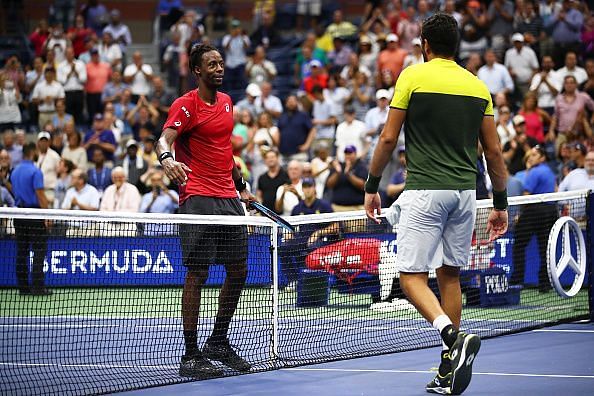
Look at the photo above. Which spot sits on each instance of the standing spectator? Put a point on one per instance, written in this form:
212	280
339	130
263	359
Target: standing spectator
74	152
120	196
350	132
296	132
172	58
45	94
536	119
547	84
263	140
320	167
78	35
375	119
535	219
588	37
392	58
495	75
90	43
528	22
354	65
47	161
81	196
65	168
72	74
501	16
259	69
143	116
98	74
14	150
119	31
161	99
99	176
101	138
40	36
362	94
346	181
114	88
416	55
268	102
318	77
337	96
339	57
521	63
269	182
289	194
31	234
140	77
571	68
133	165
475	24
339	27
110	52
57	42
235	45
566	25
265	34
252	92
305	54
324	118
10	97
95	15
367	54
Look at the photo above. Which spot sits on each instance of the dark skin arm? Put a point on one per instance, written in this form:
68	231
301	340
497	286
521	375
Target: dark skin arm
175	171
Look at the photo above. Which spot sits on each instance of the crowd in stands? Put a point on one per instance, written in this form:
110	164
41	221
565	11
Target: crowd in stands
309	103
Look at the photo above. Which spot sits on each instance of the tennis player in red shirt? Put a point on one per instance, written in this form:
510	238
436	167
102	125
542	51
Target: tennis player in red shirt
200	125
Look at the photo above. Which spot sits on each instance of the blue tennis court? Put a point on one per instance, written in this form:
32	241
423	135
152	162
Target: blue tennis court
552	361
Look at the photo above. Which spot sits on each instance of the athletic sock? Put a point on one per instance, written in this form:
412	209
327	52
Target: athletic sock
191	340
219	332
445	366
446	329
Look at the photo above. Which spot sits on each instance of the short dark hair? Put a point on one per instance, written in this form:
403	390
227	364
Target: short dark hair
197	52
29	148
69	165
441	32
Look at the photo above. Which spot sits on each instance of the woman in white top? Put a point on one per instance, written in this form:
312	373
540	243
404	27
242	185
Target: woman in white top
505	128
10	97
263	140
110	52
74	152
337	96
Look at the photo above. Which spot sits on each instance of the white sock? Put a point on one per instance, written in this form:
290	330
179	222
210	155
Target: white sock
444	347
441	322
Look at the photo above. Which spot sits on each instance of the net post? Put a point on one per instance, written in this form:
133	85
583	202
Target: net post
590	234
275	302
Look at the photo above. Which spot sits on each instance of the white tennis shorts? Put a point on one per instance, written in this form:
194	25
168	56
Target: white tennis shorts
434	228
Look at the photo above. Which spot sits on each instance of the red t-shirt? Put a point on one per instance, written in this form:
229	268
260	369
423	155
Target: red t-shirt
204	144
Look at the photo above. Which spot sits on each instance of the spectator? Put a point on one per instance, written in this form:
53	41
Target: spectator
569	106
571	68
535	219
495	75
78	35
81	196
324	118
516	148
50	59
296	132
318	77
119	31
367	54
252	92
99	175
90	43
289	194
133	165
235	45
566	25
521	63
65	168
114	88
547	84
362	94
10	97
536	119
392	58
588	38
143	116
530	24
268	102
346	181
33	76
398	180
265	34
258	69
305	54
148	152
339	27
265	138
588	85
95	15
47	161
5	170
350	132
123	107
408	27
14	150
39	36
172	58
416	57
580	178
99	137
110	51
474	29
337	96
74	152
354	65
320	167
72	74
340	56
500	15
376	117
269	182
44	96
474	62
120	196
139	75
161	98
6	199
505	127
160	199
98	74
57	42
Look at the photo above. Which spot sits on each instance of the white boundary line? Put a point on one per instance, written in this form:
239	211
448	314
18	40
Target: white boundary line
432	372
562	331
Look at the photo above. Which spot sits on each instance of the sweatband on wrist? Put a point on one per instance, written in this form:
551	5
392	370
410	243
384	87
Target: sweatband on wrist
240	184
372	184
500	200
164	156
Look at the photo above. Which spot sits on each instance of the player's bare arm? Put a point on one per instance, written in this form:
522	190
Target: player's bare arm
176	171
241	186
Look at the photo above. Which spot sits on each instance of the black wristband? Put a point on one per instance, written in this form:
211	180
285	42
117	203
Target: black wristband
240	184
372	183
164	156
500	200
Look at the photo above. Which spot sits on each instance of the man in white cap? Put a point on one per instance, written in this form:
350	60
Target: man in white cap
416	55
522	63
376	118
252	92
392	58
47	161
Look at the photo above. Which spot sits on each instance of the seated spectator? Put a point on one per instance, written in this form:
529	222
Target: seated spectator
267	102
318	77
259	69
547	84
99	175
78	35
6	200
350	132
367	54
324	118
65	168
296	132
45	94
495	75
398	180
339	27
505	127
5	170
375	118
588	85
580	178
361	95
235	45
320	166
114	124
252	92
269	182
160	199
536	119
81	196
474	63
571	68
122	108
120	196
392	58
289	194
47	161
91	43
61	118
517	147
98	74
346	181
143	115
99	137
265	34
133	165
119	31
140	77
339	57
416	55
110	51
74	152
353	66
148	151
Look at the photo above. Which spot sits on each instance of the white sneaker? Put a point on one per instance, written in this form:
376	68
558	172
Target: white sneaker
398	304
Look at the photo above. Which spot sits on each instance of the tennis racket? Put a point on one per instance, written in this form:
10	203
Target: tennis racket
270	214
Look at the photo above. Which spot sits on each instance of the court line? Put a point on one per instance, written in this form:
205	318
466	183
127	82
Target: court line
102	366
562	331
432	372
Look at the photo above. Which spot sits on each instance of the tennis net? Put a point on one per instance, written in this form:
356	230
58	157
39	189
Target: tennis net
328	291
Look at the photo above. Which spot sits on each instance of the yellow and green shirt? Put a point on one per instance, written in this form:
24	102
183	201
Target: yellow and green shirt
445	105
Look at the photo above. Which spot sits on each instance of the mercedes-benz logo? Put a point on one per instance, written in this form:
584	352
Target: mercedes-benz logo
566	228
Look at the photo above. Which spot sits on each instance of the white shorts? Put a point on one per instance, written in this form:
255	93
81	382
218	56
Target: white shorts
434	228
